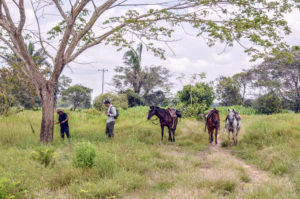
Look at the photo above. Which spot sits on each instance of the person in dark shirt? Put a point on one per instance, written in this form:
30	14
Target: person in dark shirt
64	125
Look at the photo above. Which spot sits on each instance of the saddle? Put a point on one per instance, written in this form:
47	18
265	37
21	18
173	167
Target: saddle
172	112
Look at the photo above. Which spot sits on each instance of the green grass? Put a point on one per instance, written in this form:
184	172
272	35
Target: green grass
240	109
121	166
272	143
136	164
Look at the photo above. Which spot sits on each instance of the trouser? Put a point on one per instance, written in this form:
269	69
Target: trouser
63	130
109	131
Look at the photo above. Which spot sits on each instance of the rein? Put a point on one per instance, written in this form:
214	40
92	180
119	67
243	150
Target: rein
153	121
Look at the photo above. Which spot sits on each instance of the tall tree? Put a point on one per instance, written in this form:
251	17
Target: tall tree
228	91
142	80
281	77
245	81
260	22
78	95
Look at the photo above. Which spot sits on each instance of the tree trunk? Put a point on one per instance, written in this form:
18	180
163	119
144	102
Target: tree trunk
46	93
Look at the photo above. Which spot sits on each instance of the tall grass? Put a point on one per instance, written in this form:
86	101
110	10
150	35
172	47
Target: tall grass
122	165
272	143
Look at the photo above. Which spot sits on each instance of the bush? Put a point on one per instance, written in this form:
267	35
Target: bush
268	104
44	156
134	99
194	110
118	100
11	190
202	95
4	106
85	154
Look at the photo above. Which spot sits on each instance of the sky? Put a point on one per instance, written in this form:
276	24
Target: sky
188	55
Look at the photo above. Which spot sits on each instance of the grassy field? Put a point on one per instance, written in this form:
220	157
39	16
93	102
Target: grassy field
272	143
136	164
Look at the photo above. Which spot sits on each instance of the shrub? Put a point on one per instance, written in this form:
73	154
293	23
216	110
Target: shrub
9	189
4	106
134	99
118	100
85	154
194	110
268	104
44	156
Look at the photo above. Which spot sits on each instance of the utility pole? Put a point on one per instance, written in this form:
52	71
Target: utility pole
103	71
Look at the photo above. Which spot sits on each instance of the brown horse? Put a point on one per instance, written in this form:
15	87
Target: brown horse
213	124
166	119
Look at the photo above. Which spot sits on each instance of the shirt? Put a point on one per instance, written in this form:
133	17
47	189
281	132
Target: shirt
112	112
63	117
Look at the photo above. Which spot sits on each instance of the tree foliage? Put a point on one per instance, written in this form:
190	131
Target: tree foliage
282	77
195	99
78	95
142	80
268	104
228	91
134	99
118	100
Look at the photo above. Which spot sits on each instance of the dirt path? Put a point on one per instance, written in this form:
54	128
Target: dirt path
256	175
211	173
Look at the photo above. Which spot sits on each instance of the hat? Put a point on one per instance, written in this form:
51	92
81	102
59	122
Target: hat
58	110
106	101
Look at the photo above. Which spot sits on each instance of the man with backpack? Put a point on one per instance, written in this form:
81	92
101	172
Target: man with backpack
112	115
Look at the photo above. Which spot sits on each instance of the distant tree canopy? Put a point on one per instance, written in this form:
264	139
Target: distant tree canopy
143	81
268	104
281	76
78	95
244	79
228	91
118	100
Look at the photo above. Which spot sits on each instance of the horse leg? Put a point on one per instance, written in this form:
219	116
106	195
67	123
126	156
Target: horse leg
228	137
170	137
162	132
233	136
216	136
211	139
173	132
237	133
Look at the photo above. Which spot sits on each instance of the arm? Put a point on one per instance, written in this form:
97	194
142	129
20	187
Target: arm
65	120
113	112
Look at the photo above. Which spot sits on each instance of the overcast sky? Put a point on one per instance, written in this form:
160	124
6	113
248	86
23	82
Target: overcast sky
189	55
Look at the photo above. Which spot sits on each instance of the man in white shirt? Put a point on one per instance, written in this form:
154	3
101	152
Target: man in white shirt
111	113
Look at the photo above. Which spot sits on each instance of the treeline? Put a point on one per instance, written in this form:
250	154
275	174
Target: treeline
269	87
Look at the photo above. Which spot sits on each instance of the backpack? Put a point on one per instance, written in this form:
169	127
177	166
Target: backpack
117	116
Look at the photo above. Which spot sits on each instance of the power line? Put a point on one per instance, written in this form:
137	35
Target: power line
103	72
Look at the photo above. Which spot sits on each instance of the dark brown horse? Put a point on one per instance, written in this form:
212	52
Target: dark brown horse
165	120
213	124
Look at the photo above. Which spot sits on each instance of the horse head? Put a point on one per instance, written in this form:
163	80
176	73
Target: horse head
152	112
215	117
231	116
